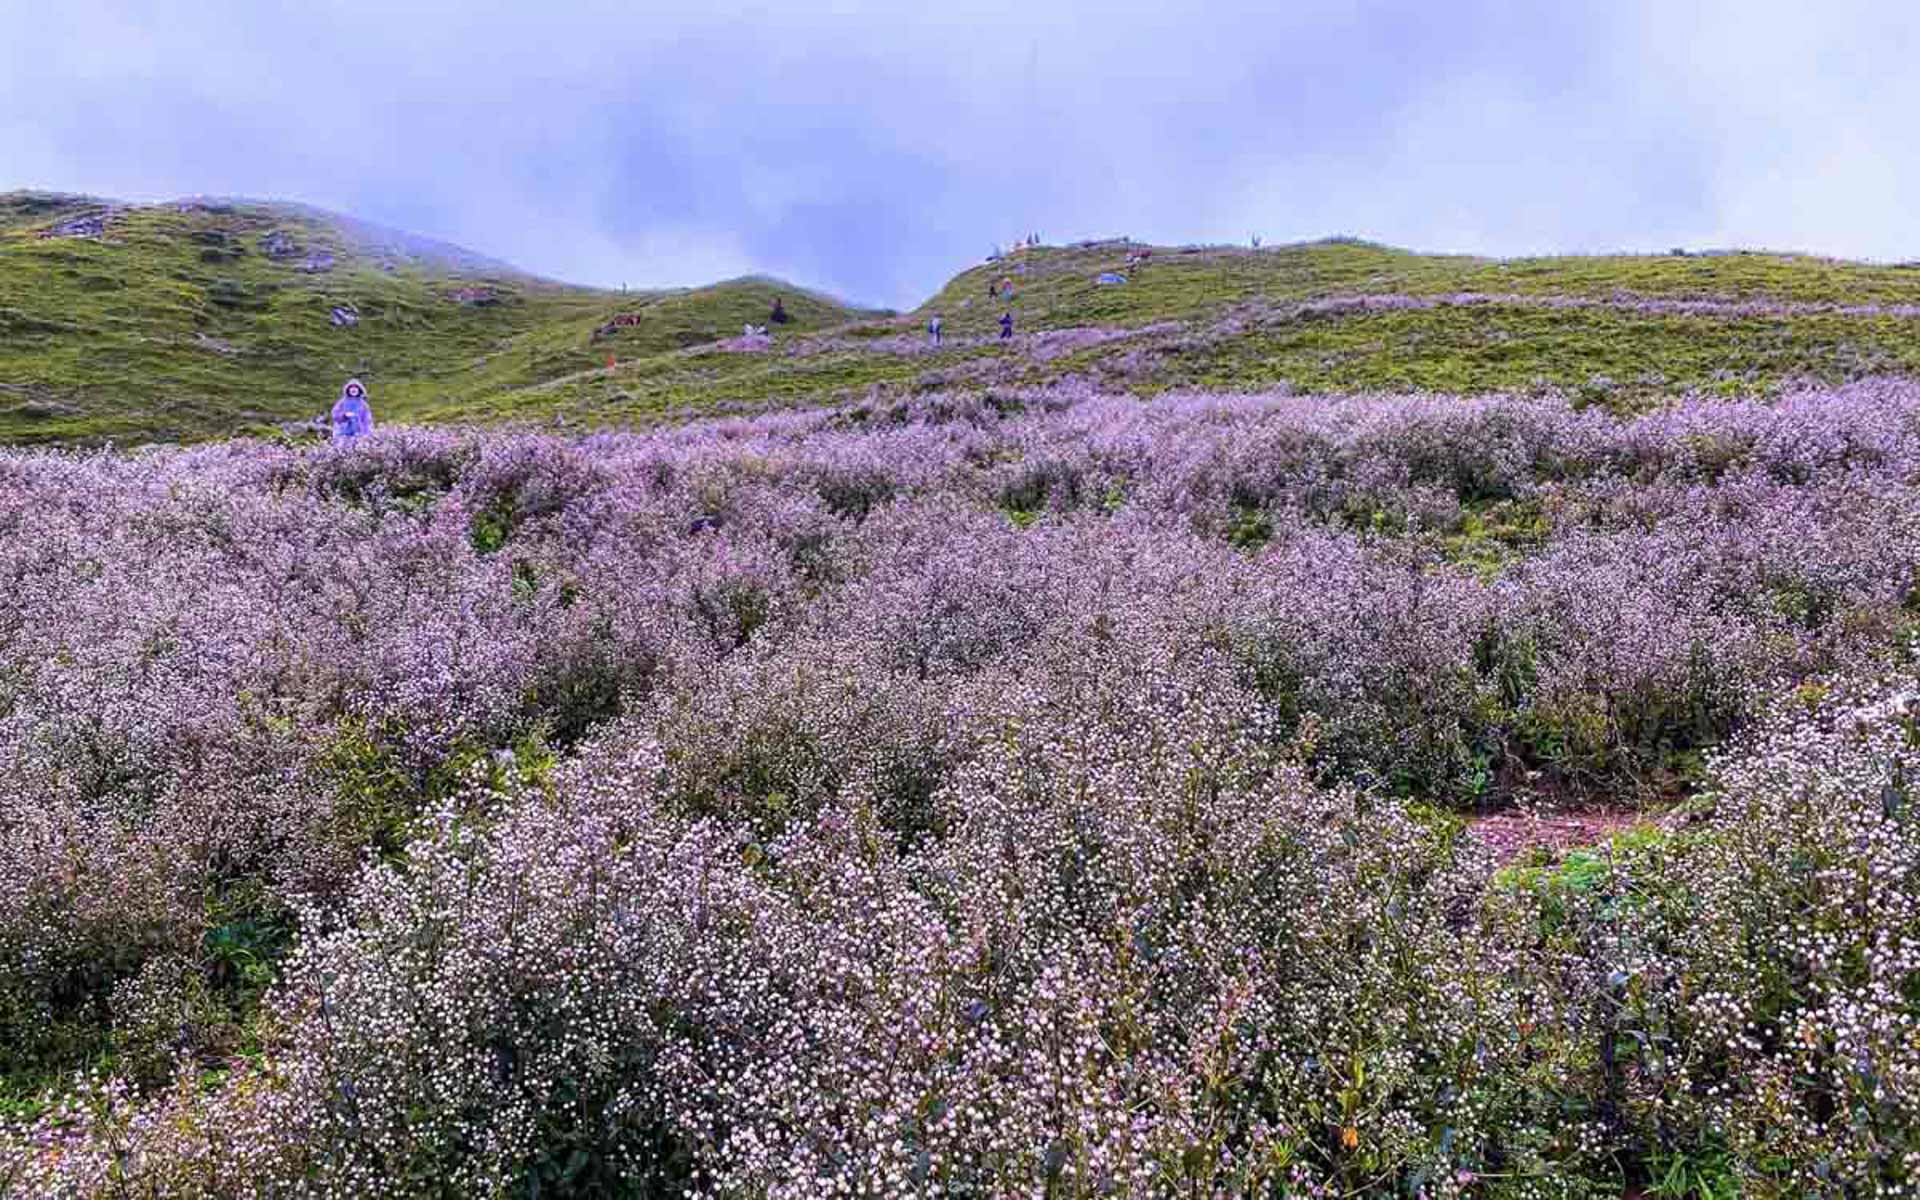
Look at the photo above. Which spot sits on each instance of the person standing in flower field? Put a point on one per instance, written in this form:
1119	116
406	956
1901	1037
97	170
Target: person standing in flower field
1006	325
351	415
933	330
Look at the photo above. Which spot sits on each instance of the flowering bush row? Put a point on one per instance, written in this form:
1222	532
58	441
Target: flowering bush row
1127	949
993	794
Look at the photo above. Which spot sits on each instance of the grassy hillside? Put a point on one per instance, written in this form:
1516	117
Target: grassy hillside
668	325
1058	284
199	319
1623	331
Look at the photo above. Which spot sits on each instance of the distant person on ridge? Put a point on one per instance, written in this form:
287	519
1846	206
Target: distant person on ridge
1006	325
933	330
351	416
779	314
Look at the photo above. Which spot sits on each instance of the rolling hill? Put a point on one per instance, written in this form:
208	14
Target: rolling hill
1332	316
203	318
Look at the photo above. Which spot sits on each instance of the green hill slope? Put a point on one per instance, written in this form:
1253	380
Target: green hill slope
1340	315
1056	284
201	318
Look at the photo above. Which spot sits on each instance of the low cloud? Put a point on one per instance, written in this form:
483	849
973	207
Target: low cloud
871	149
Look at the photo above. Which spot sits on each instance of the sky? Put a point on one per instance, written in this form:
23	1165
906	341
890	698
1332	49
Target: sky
873	148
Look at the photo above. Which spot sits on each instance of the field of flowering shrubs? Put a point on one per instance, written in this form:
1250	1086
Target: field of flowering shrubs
1015	794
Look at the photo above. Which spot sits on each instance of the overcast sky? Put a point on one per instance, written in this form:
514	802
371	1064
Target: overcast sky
874	147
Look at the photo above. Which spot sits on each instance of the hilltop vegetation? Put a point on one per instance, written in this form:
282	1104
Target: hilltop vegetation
206	318
176	322
1194	282
1624	332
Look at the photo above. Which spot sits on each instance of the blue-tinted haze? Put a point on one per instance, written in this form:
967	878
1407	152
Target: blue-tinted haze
872	147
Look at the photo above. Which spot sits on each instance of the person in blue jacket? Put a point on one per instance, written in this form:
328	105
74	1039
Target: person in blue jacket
351	416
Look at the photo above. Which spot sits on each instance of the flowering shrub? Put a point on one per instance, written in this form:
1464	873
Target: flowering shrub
1751	984
1027	792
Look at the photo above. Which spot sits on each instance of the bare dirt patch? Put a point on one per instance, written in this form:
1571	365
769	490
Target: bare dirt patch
1513	834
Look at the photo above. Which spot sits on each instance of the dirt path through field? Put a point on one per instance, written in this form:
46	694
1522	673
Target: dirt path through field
1513	834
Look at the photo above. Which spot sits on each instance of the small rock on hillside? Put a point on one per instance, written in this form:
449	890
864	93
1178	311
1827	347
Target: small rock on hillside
279	246
475	296
88	225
